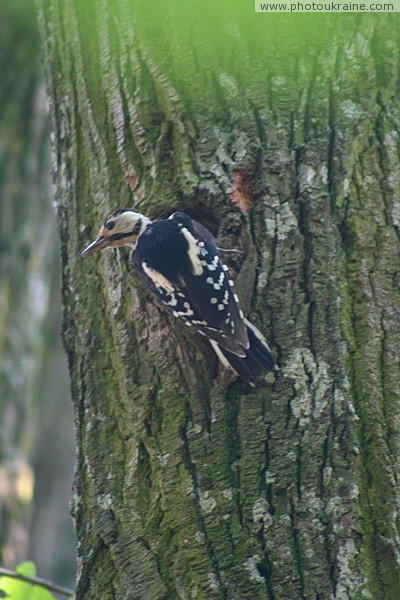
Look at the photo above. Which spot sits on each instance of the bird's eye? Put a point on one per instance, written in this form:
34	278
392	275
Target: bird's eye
110	225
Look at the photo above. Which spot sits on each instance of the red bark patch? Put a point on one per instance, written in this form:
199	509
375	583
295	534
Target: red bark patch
242	190
133	182
132	178
347	520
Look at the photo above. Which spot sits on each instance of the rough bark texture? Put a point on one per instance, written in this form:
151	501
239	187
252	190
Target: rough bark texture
190	486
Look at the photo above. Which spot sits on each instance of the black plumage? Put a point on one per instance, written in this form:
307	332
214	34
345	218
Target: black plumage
196	285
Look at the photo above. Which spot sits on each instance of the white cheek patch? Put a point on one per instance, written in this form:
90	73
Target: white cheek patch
127	221
194	252
157	278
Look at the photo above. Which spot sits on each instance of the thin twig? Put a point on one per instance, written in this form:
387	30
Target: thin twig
52	587
230	250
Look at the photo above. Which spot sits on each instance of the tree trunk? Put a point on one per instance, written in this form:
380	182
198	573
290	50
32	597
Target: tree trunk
280	135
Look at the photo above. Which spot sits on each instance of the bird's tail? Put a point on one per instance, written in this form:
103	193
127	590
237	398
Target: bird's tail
258	357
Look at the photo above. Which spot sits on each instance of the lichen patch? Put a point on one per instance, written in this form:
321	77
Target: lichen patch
311	383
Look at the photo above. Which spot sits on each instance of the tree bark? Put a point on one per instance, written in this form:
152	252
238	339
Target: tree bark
282	138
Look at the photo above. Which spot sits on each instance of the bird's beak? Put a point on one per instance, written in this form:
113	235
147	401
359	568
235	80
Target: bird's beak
99	244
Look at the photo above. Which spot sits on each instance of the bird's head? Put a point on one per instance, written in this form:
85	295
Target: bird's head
121	228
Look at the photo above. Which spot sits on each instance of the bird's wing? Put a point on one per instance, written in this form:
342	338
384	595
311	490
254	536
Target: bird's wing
179	261
178	299
172	295
209	288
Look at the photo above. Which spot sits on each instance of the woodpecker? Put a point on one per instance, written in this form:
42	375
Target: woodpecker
178	260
